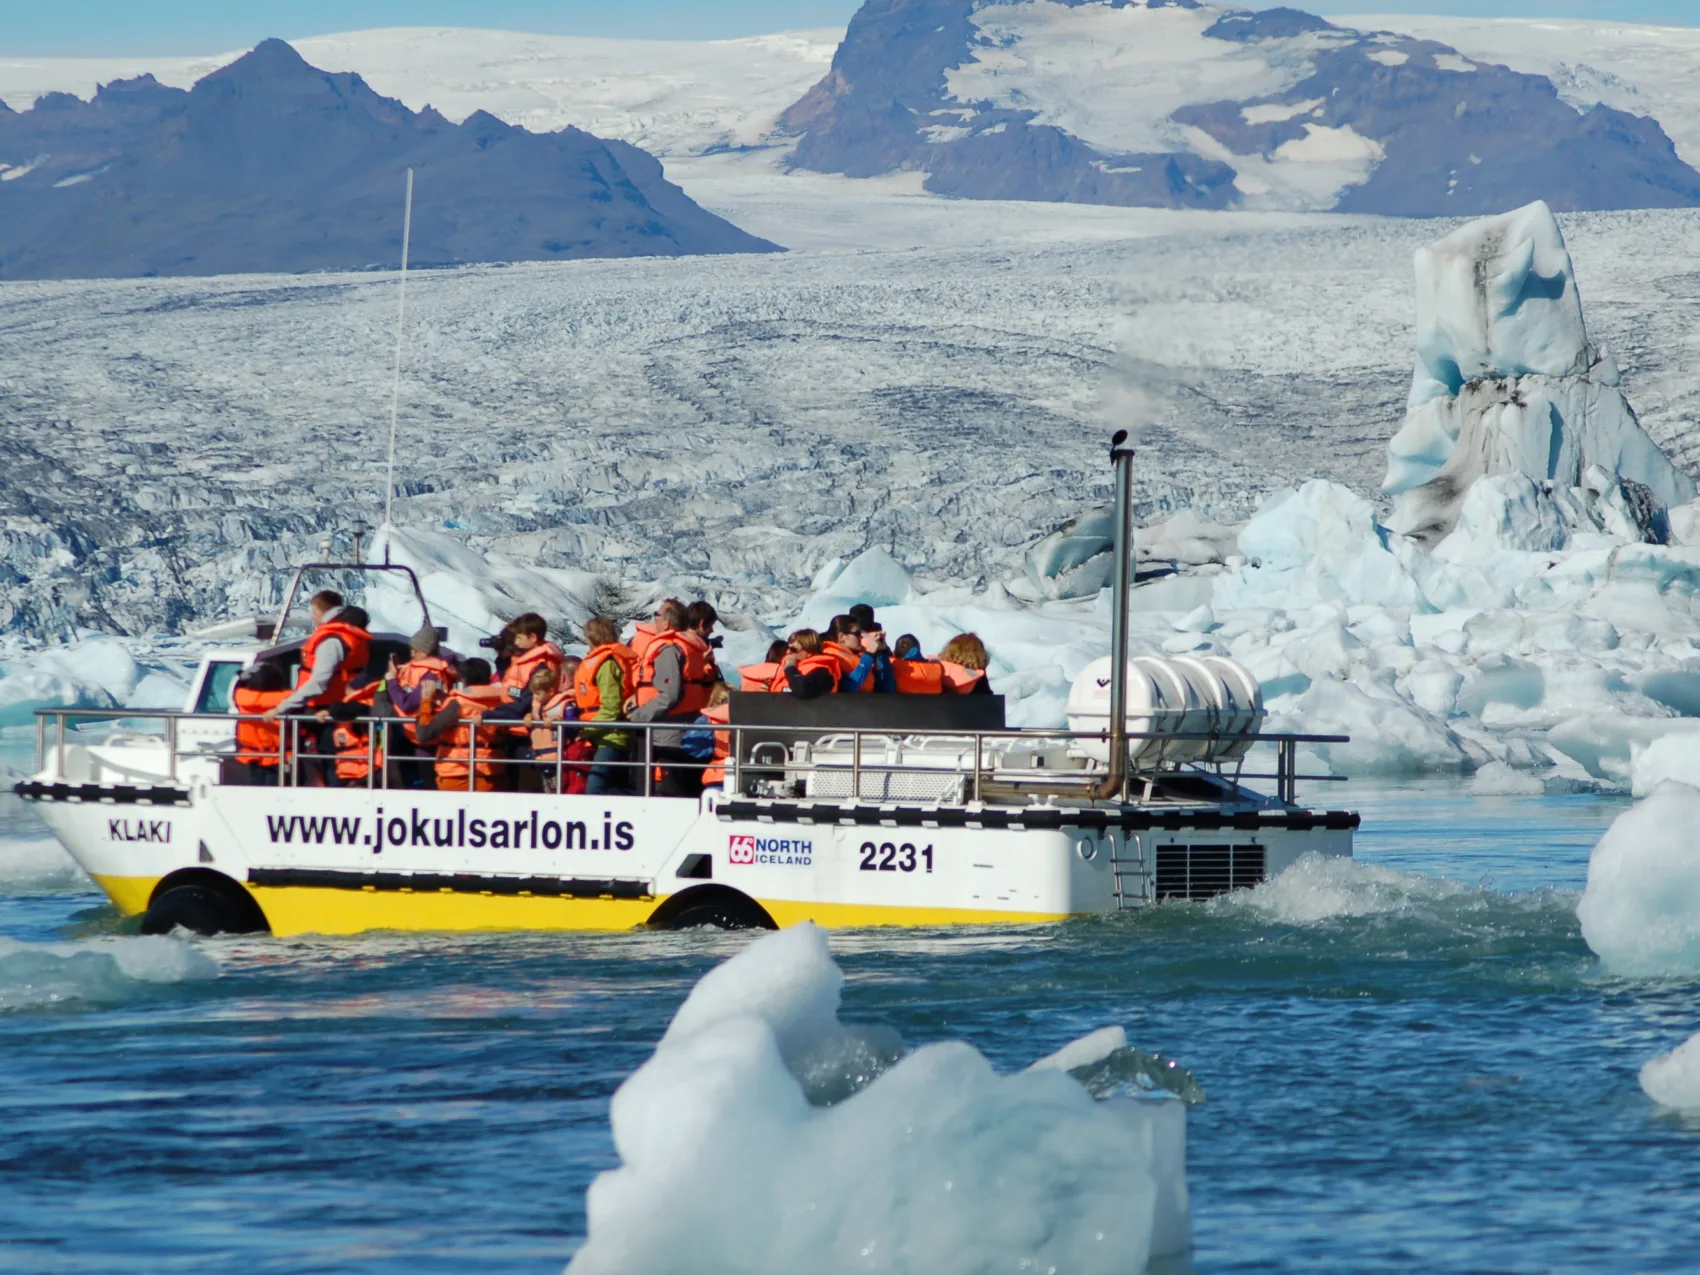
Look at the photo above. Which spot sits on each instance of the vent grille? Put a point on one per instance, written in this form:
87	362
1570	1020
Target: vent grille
1203	872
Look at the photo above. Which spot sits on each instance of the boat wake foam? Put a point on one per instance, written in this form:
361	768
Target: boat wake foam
765	1135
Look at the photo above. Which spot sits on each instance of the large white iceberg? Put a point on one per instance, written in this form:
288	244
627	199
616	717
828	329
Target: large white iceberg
1507	380
730	1161
1640	911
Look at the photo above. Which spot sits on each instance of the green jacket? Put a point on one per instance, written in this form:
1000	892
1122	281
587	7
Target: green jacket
612	689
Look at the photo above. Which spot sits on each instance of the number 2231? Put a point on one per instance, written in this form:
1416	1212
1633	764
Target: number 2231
887	857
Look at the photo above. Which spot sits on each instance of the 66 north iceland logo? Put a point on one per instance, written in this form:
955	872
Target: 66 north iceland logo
773	852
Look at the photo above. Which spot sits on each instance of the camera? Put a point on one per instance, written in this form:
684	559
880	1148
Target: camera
491	643
717	642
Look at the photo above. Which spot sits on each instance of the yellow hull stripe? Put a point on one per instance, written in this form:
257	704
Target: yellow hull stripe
307	910
129	895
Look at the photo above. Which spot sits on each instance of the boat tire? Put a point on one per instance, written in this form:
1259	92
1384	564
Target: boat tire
718	908
202	910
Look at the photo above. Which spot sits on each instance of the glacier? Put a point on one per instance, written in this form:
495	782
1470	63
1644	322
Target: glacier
593	436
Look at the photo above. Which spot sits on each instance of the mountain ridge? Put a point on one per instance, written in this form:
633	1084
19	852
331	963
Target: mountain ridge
271	165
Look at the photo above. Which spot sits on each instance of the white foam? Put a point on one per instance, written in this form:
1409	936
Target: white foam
1640	911
38	974
1673	1079
937	1163
1317	889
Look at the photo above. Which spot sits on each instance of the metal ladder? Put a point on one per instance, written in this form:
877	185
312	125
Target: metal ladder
1122	866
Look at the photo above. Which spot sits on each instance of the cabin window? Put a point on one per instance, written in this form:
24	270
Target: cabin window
215	689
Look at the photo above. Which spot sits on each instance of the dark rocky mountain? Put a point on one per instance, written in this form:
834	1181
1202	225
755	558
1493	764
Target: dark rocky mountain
1410	127
269	164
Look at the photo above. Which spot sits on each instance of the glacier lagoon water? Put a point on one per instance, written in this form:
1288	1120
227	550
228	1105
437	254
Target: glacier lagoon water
1415	1063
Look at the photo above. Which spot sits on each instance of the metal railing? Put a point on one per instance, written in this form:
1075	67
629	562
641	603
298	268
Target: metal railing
302	760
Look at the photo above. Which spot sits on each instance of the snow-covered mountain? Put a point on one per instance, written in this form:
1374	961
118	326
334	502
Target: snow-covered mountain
671	97
269	164
1175	103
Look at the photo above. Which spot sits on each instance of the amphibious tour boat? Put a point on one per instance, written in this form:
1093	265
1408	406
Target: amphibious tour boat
847	810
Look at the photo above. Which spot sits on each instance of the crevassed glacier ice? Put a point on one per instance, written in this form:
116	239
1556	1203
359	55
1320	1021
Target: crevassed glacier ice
1507	380
935	1164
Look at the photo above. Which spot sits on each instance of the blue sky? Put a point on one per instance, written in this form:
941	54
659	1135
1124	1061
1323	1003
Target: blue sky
88	27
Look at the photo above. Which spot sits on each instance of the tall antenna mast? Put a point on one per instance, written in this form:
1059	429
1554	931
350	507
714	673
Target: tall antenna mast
400	314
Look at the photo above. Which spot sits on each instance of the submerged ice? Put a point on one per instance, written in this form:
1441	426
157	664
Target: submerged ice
764	1135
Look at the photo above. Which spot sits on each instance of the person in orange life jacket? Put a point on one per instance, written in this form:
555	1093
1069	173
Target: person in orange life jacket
809	671
766	676
711	747
698	631
863	665
552	703
645	635
603	684
258	743
670	689
333	666
964	661
401	698
532	649
333	656
913	672
454	721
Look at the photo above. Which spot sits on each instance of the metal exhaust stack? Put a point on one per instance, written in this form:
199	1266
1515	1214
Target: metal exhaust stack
1121	456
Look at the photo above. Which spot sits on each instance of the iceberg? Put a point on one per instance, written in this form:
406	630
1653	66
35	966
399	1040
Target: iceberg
1640	910
1673	1079
764	1135
1507	380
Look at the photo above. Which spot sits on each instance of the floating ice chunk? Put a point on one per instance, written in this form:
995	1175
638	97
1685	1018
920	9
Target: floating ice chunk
1496	779
1670	758
93	673
471	592
35	974
1497	298
1503	512
1076	560
1673	1079
1318	544
939	1164
872	576
1507	381
1640	911
158	690
1389	735
37	863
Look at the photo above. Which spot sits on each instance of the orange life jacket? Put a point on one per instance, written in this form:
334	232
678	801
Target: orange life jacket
258	743
643	637
848	661
409	676
812	663
918	677
585	690
544	736
762	677
959	677
455	749
693	696
353	763
517	676
696	644
720	715
356	651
